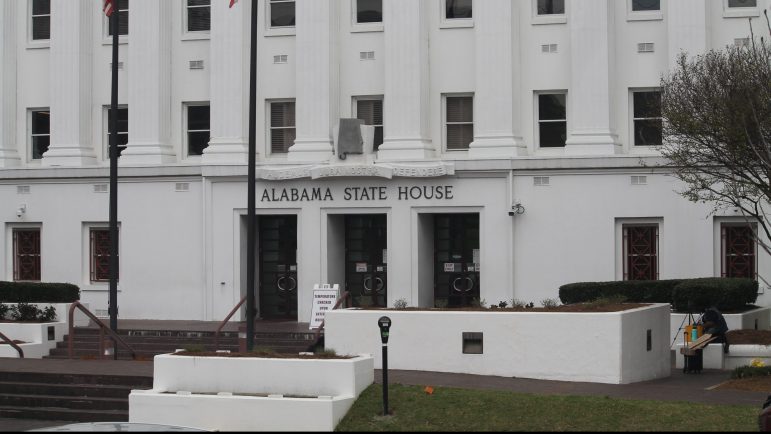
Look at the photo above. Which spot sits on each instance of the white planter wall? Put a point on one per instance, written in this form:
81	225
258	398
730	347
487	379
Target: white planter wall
36	337
593	347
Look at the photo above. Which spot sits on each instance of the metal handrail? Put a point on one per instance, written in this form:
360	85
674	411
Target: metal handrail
225	321
102	328
343	298
13	344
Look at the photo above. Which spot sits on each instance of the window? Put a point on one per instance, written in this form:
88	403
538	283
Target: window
40	132
197	129
99	253
26	254
550	7
198	15
647	118
738	250
282	126
457	9
369	11
122	129
41	20
371	112
742	3
552	120
646	5
123	17
459	121
281	13
640	247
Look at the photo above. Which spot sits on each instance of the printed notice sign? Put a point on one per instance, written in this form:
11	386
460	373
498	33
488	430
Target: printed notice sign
449	267
324	299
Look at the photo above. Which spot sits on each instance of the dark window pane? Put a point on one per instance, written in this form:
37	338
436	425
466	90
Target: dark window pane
738	251
198	2
551	106
100	255
123	24
641	252
39	146
122	120
198	19
198	117
41	28
647	132
742	3
369	11
646	5
460	109
281	139
197	142
41	7
41	122
282	114
549	7
378	137
26	254
647	104
552	134
459	136
282	14
458	9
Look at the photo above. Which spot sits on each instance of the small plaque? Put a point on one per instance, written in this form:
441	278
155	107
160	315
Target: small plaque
361	267
449	267
476	267
470	267
380	268
476	256
293	268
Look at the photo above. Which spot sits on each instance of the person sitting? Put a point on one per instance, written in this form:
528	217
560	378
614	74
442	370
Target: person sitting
714	324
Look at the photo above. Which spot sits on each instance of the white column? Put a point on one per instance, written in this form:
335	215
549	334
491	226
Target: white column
590	102
317	79
686	27
149	84
70	81
407	101
9	156
497	97
229	83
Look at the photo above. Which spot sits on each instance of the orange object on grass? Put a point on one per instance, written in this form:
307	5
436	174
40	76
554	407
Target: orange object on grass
429	390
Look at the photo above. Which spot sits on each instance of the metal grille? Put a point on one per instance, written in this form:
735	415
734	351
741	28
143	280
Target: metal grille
738	246
26	254
100	255
641	252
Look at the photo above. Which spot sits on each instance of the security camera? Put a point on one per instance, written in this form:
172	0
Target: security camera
516	208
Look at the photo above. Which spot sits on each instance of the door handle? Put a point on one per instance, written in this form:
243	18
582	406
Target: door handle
367	288
283	288
379	284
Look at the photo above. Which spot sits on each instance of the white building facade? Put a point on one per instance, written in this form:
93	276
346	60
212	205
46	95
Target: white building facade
514	149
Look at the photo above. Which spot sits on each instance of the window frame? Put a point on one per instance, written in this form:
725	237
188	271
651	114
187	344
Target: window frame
445	141
652	15
14	252
453	23
188	34
31	135
633	119
537	117
269	127
538	19
753	228
357	27
91	257
624	226
106	36
280	30
37	43
186	127
355	111
740	12
106	126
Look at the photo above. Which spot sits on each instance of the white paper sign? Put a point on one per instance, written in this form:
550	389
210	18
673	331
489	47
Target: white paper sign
361	267
324	299
449	267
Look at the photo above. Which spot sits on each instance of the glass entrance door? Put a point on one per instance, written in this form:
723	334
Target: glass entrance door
456	259
366	274
278	267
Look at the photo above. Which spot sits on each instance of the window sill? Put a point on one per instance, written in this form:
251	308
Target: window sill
365	28
645	150
549	19
280	31
35	45
741	12
556	151
645	16
458	23
195	36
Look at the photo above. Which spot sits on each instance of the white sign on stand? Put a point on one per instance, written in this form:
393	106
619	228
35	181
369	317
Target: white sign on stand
324	299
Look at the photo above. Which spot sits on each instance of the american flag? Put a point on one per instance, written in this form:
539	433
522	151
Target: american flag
232	2
108	7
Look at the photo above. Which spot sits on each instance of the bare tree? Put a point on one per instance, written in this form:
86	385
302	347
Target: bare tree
716	111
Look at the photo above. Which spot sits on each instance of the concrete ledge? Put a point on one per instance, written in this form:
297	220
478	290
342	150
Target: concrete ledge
36	336
759	319
738	355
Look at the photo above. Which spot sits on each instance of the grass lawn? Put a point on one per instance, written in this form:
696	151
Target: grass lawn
449	409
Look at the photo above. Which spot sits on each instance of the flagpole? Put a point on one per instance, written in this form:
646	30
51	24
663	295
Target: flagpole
251	201
113	264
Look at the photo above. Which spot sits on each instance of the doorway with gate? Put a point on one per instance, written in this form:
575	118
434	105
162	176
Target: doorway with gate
456	260
277	266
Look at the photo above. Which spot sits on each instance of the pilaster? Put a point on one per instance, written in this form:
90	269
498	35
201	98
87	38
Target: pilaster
9	156
229	83
497	97
407	94
590	106
71	81
317	79
149	84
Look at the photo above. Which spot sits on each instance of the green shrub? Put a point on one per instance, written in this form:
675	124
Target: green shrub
4	309
48	314
194	348
695	295
25	312
550	303
37	292
751	371
635	291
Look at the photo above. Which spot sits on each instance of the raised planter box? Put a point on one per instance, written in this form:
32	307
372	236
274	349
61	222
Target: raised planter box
609	347
738	355
756	319
62	311
251	394
39	338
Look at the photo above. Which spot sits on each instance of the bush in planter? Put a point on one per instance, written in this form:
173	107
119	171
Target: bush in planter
695	295
4	309
38	292
25	312
634	291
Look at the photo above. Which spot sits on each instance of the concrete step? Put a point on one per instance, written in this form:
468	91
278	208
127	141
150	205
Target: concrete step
131	381
89	390
70	402
54	413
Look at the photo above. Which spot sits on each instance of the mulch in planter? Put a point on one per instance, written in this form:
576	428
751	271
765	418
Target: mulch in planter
751	337
260	355
578	307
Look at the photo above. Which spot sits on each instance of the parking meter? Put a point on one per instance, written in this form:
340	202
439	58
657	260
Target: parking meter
385	325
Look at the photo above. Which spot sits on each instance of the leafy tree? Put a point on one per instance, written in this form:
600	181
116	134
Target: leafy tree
716	110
